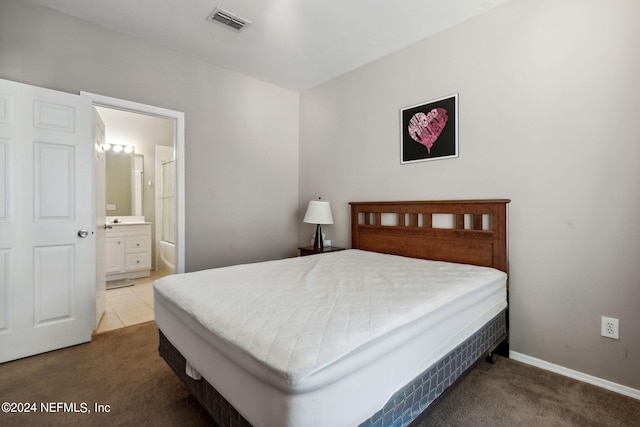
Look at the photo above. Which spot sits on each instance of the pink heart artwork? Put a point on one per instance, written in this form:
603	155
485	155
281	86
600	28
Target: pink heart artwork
426	128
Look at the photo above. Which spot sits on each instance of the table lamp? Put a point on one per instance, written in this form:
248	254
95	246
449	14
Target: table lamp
318	212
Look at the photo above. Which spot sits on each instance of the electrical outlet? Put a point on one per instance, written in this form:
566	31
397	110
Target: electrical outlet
610	327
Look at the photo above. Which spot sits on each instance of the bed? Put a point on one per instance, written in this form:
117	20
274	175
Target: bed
369	336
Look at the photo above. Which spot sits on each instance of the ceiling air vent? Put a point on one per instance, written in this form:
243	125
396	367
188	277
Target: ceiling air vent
228	19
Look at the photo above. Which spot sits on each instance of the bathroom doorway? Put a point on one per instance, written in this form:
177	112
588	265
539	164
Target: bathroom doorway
143	130
132	141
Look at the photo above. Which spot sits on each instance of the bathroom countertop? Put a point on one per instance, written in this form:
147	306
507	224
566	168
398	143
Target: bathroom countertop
126	220
128	223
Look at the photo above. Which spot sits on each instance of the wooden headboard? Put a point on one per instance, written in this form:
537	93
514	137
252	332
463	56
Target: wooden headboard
463	231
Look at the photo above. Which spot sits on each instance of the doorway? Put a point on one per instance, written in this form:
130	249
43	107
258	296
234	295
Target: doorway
110	108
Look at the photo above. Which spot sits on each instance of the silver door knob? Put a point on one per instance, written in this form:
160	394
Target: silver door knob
83	233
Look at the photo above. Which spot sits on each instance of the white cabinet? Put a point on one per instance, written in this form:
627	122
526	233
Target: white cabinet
115	255
128	254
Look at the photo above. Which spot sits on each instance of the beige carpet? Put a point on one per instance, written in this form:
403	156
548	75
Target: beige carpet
122	369
513	394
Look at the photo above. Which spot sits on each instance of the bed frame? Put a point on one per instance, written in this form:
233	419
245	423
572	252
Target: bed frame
462	231
473	232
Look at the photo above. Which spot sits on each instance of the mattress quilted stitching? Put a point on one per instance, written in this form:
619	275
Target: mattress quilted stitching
298	315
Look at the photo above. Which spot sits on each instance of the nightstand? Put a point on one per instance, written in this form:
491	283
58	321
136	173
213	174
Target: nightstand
309	250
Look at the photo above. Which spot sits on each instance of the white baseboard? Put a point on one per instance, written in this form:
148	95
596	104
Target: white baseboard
538	363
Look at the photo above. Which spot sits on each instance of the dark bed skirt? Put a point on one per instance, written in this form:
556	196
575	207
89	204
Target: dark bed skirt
217	406
405	407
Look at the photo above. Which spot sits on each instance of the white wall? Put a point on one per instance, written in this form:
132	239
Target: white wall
549	98
241	134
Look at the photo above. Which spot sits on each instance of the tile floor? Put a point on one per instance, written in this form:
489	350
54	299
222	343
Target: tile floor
130	305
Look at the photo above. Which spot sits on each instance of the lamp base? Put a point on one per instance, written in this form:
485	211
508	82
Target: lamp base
317	242
325	242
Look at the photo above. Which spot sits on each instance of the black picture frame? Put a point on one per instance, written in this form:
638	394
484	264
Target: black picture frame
429	131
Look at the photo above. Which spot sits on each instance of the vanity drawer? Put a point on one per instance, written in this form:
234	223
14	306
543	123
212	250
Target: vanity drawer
138	262
138	244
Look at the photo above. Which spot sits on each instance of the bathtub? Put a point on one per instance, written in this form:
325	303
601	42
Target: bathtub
167	253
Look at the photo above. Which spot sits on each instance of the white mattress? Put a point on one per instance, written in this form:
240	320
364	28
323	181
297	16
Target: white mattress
327	339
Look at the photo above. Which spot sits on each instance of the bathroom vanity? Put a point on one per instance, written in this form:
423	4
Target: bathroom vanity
128	254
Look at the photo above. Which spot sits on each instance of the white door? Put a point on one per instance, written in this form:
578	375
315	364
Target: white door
47	224
101	202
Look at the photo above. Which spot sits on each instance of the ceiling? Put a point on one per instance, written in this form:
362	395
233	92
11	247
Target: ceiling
295	44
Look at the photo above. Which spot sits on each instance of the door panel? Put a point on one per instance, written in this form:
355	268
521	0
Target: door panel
5	308
5	254
4	175
53	280
54	184
56	117
47	271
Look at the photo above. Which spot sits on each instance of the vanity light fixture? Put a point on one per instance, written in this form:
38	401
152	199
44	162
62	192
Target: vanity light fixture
118	148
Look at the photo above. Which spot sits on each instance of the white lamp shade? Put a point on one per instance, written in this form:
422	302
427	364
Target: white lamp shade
318	212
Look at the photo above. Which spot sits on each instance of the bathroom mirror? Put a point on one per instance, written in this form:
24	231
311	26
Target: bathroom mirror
125	181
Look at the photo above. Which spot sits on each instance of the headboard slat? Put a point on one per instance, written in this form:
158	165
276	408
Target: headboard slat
477	222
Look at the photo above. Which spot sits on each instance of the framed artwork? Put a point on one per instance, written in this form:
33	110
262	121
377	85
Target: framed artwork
429	131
